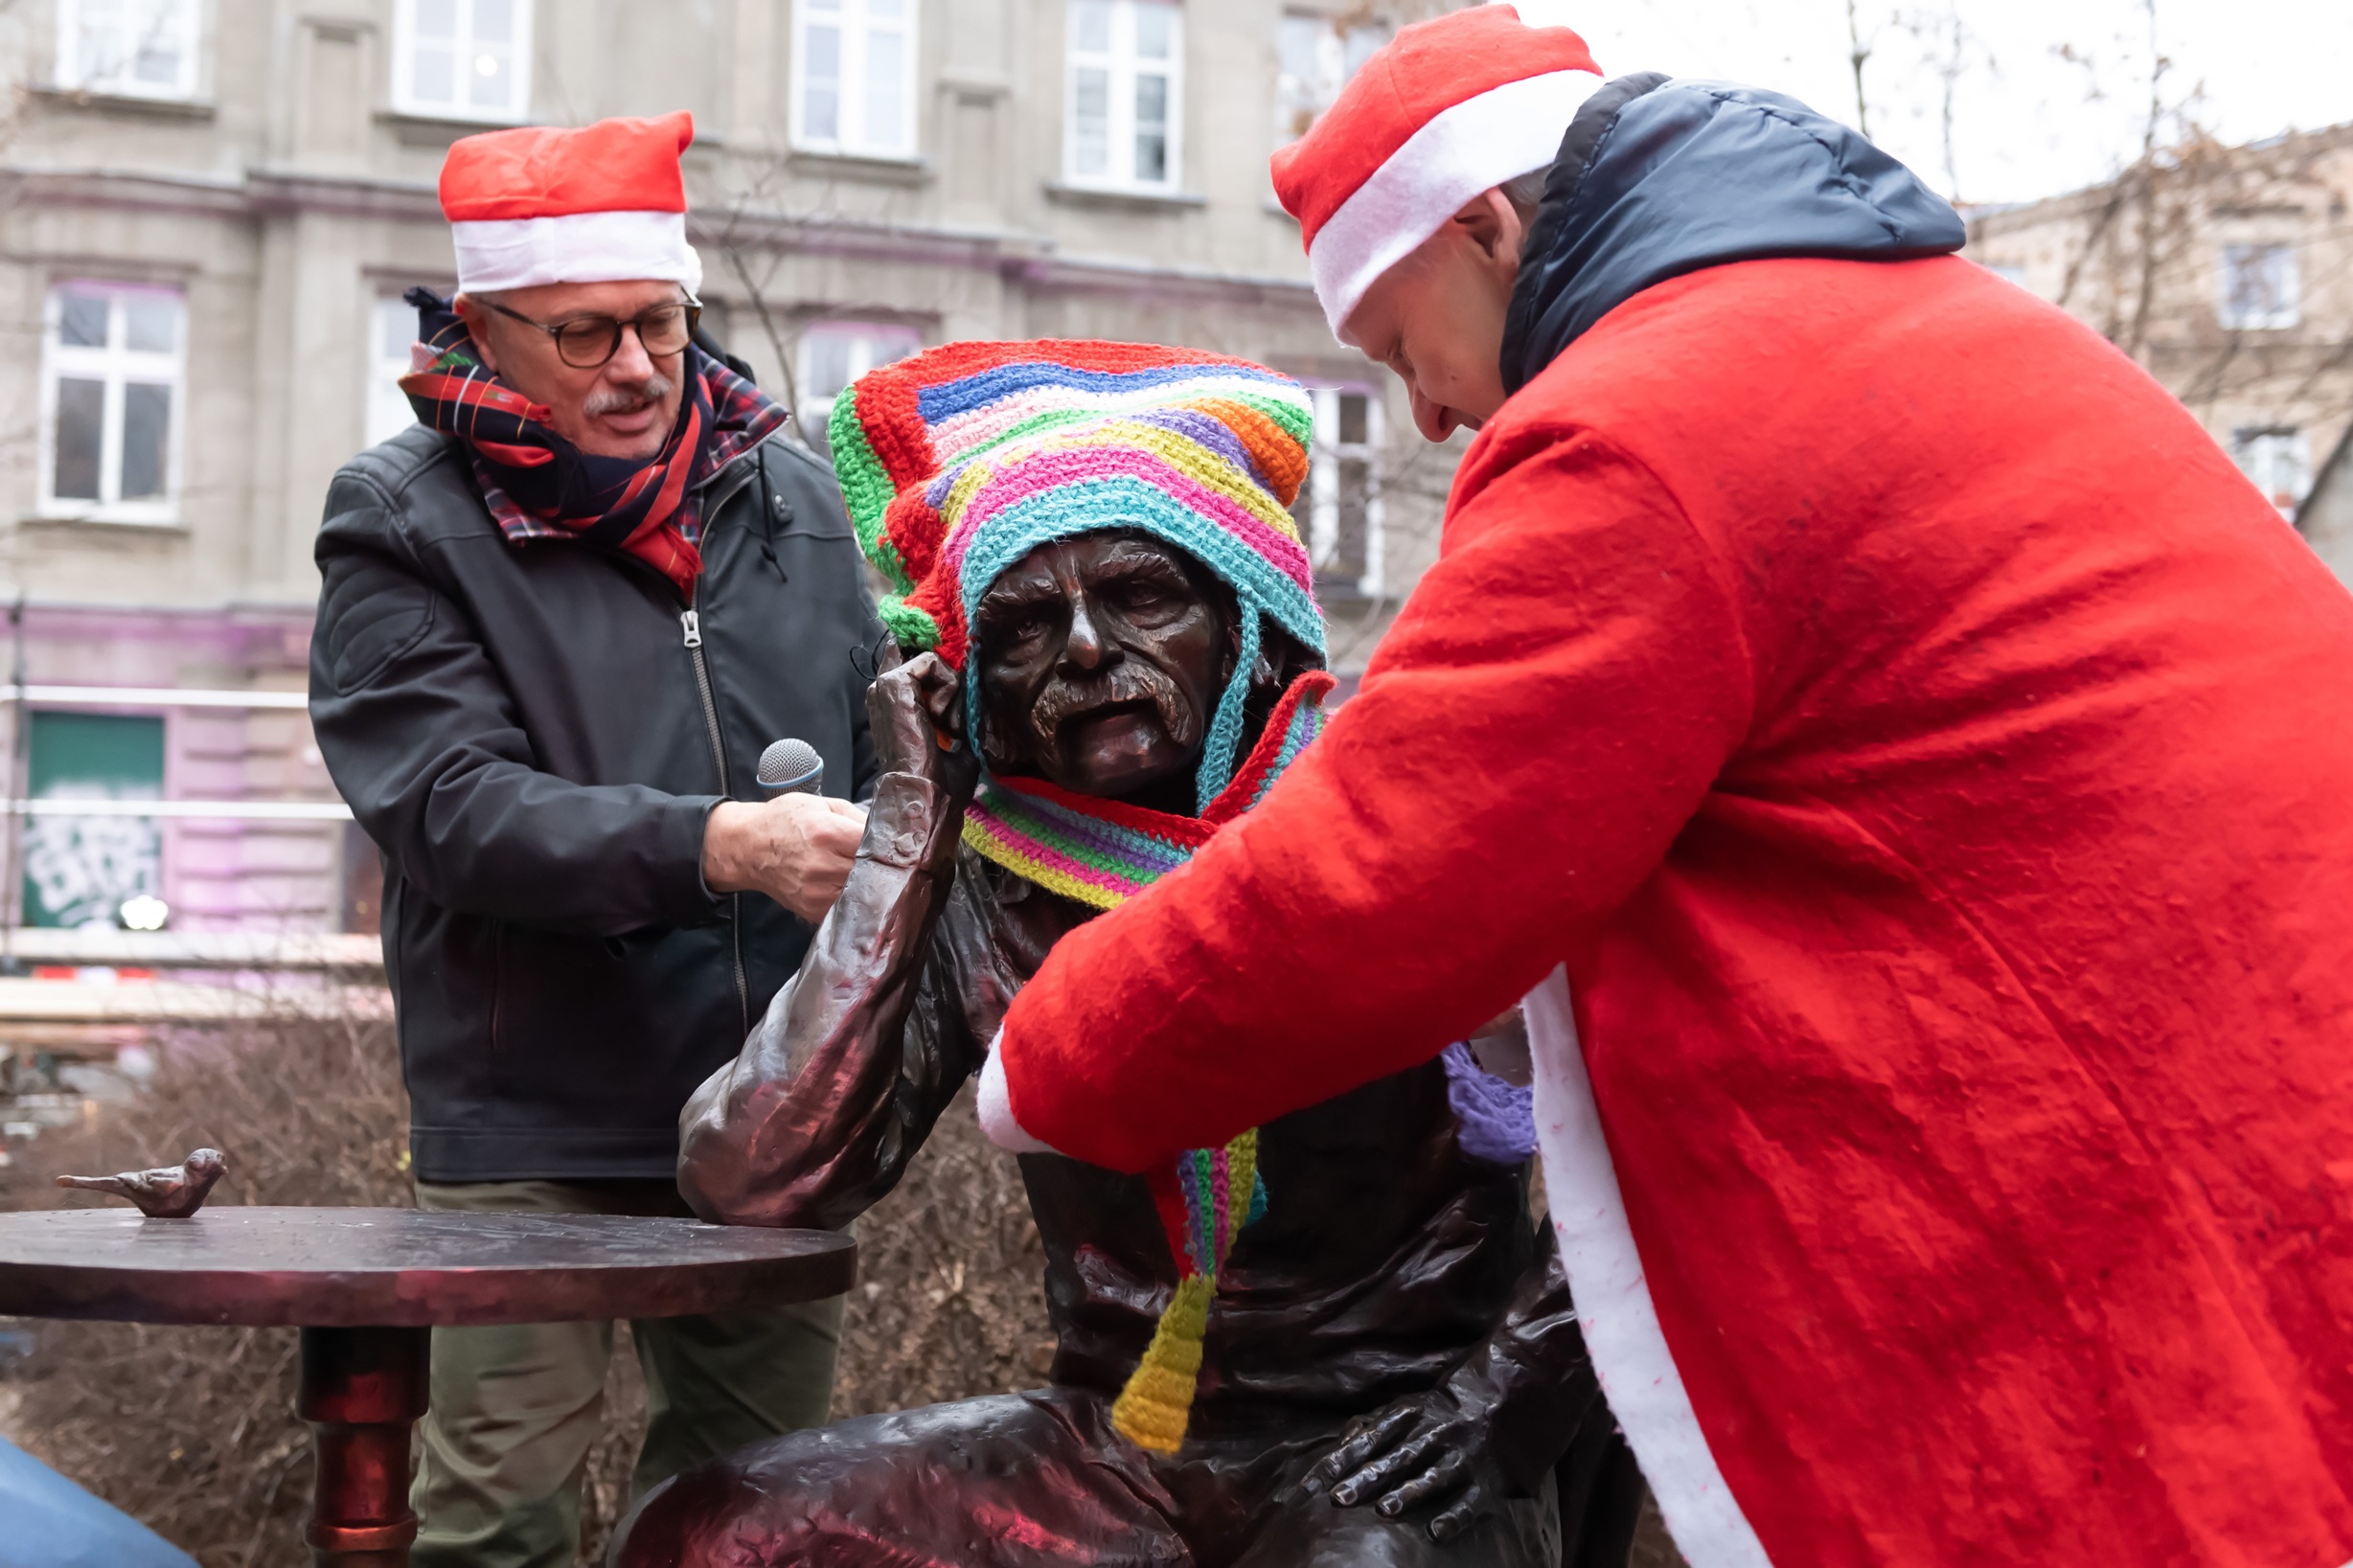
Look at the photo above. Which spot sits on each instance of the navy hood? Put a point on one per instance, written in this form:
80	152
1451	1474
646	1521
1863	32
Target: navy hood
1657	177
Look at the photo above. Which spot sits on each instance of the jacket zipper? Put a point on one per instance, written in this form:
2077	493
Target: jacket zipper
689	620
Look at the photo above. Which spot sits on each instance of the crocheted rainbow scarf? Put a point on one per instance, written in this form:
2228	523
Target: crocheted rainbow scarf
1102	854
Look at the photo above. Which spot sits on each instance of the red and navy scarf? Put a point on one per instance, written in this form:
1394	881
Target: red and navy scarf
539	486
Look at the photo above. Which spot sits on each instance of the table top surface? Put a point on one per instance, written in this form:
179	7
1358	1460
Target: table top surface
401	1268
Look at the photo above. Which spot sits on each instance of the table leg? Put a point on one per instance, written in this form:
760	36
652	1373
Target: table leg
362	1389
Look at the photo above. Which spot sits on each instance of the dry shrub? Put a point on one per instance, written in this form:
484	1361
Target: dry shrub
193	1430
951	1304
1653	1547
605	1479
952	1301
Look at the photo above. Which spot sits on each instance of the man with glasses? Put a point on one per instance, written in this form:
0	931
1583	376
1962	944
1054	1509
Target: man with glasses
560	621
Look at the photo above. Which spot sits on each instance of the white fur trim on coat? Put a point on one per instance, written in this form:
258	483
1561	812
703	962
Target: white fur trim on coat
575	248
1475	146
997	1106
1630	1352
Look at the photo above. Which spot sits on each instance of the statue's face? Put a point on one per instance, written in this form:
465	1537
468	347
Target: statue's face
1100	661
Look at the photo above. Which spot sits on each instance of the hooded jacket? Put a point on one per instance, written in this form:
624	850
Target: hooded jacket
533	735
1902	763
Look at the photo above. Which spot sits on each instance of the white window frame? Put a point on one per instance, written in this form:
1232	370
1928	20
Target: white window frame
380	397
868	344
1341	48
857	24
115	365
2261	451
76	74
1123	67
2286	310
404	97
1323	484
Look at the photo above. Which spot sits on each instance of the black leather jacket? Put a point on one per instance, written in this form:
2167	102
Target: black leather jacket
529	737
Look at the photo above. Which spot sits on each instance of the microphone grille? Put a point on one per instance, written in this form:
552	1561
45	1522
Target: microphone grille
792	765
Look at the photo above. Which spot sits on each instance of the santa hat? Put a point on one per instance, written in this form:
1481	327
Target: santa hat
542	205
1444	110
958	462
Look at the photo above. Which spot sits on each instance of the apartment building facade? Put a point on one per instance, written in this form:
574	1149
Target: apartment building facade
209	210
2227	272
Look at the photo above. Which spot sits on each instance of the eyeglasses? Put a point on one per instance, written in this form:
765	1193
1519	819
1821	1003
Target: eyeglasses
585	341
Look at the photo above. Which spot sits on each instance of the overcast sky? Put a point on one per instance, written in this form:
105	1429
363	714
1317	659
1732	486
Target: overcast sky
2027	121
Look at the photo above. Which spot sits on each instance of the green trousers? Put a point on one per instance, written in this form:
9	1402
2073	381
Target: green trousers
517	1409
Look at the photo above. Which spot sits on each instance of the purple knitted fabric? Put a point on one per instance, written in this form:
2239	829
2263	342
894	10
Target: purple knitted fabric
1496	1120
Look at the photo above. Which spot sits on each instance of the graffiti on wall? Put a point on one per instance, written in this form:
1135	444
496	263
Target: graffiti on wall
77	871
80	870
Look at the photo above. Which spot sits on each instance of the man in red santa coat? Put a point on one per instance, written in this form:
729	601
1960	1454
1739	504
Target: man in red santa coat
1909	772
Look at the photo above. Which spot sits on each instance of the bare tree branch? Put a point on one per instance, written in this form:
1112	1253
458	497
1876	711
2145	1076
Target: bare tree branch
1857	53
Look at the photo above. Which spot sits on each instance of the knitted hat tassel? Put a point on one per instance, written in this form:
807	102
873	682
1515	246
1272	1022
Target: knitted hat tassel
1196	1202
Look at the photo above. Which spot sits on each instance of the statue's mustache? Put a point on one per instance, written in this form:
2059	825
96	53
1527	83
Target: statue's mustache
1131	680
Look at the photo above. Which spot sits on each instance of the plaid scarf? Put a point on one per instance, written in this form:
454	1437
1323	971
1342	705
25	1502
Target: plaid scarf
539	486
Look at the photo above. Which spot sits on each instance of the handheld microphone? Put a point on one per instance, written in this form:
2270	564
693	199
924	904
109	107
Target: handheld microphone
792	767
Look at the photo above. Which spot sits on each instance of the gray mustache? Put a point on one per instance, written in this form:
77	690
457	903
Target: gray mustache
623	399
1131	681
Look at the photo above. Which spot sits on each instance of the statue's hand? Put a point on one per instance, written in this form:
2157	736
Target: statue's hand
1425	1450
915	712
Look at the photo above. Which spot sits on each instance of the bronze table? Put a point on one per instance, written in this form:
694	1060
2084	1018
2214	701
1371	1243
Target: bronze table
367	1285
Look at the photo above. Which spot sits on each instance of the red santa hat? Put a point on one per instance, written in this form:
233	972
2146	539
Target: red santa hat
544	205
1444	110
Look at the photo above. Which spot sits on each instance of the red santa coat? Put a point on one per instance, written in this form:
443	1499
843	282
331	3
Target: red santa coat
1929	763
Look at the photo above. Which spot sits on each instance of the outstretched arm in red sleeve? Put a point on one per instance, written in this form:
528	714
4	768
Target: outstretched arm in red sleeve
1550	708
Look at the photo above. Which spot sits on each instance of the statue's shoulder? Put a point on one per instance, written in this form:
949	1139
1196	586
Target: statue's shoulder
1022	921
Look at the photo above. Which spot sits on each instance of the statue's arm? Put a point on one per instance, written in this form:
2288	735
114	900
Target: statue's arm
1518	1399
816	1117
1532	1374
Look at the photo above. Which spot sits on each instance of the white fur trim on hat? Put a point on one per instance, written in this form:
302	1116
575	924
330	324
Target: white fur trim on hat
575	248
1475	146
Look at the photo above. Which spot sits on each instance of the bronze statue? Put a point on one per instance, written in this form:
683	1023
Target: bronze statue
1393	1369
1337	1339
168	1191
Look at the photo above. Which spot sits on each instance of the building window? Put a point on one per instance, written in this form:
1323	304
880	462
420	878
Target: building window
2278	459
1316	55
391	327
79	871
1126	121
134	47
1339	508
462	60
2260	289
110	402
834	353
853	78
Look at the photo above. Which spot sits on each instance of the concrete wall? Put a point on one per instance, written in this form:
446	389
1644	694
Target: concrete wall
289	195
2327	515
2142	262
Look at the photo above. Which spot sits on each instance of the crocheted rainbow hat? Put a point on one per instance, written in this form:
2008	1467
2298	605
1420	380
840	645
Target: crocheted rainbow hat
958	462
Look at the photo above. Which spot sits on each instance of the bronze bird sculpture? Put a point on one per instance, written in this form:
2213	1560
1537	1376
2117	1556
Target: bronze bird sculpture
169	1191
